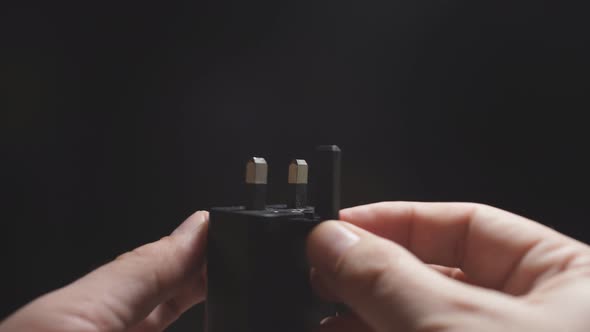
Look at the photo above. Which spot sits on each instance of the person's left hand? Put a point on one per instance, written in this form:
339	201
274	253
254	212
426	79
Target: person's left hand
143	290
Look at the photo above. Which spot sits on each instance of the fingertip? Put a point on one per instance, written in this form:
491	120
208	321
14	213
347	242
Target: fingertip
200	214
351	212
344	213
328	242
363	213
193	222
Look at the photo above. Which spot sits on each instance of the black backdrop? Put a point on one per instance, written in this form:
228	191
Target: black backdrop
118	119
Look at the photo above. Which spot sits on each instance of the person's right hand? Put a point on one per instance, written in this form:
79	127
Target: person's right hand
434	267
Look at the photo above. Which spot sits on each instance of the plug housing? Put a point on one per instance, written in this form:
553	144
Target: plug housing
258	278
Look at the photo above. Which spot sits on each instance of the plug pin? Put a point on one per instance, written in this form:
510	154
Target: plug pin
298	170
256	179
326	181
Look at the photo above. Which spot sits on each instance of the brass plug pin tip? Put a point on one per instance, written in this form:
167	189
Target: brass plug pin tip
298	170
256	171
256	178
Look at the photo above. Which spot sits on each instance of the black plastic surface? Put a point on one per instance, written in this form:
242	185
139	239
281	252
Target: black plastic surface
258	277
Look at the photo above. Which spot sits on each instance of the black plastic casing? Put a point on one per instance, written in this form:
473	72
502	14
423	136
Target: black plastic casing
258	279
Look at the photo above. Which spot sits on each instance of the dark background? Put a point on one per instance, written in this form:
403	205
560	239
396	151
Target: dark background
119	119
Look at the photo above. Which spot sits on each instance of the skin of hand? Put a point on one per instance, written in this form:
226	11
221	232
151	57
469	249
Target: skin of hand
430	267
143	290
398	266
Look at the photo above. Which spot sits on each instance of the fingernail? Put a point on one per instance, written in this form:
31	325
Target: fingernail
329	242
191	222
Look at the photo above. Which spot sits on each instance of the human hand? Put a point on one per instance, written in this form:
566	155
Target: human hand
493	270
143	290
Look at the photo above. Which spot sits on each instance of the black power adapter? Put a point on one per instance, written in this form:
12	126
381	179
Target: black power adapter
258	279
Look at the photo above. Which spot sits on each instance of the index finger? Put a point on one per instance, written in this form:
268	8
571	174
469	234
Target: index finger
120	294
495	248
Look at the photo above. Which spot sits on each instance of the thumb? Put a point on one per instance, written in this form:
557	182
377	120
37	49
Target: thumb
383	283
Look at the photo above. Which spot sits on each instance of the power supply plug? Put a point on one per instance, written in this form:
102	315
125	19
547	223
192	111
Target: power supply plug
258	279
